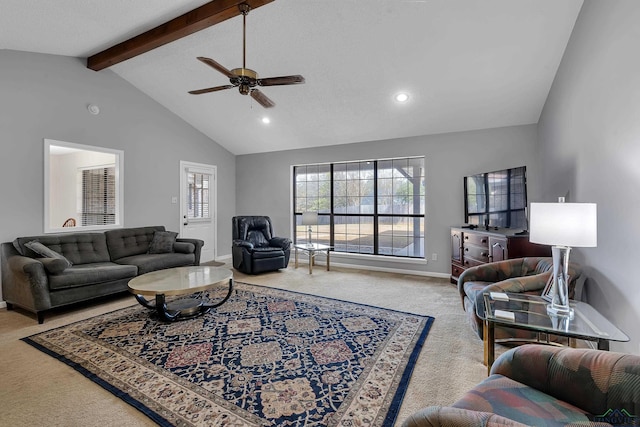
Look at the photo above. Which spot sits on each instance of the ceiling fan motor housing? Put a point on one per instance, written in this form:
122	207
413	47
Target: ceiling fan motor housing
245	72
245	80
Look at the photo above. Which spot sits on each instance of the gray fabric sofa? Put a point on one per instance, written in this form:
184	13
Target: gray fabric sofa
84	266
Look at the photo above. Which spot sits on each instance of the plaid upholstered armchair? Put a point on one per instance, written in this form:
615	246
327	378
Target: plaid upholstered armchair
539	385
519	275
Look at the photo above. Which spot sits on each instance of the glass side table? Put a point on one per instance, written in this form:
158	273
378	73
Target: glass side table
529	312
312	250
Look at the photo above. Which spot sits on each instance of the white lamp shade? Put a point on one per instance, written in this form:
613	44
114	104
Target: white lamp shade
564	224
309	218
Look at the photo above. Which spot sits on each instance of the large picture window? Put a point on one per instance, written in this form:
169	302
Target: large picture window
369	207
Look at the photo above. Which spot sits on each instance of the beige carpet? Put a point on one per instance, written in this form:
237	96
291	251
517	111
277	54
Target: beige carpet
36	389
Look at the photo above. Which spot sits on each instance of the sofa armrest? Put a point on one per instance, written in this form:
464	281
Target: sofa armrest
593	380
280	242
448	416
243	244
184	247
26	283
197	244
491	272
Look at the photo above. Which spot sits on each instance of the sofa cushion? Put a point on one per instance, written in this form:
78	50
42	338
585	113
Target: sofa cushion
503	396
162	242
45	252
267	252
91	274
152	262
255	229
125	242
544	265
78	248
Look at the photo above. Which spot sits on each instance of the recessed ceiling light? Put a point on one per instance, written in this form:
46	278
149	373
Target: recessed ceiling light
266	120
401	97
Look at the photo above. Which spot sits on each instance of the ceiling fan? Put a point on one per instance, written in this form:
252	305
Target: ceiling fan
244	78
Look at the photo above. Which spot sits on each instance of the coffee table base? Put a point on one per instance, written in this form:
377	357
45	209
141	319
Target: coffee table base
182	309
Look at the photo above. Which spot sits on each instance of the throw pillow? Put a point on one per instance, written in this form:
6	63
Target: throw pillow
45	252
162	242
54	265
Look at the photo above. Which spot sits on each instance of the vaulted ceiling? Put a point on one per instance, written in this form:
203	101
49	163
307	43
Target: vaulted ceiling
466	64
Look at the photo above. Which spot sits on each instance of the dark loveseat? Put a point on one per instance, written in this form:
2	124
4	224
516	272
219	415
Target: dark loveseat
82	266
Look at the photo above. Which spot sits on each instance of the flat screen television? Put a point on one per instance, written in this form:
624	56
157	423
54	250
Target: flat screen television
497	199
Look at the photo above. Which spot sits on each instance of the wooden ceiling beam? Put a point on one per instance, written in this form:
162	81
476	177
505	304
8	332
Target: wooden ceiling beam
191	22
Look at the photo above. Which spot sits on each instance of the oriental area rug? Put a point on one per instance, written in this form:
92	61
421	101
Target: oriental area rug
267	357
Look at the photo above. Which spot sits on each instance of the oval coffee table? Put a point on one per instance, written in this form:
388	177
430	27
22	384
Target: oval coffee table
180	281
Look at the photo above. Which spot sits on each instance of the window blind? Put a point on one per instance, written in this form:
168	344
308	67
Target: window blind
98	196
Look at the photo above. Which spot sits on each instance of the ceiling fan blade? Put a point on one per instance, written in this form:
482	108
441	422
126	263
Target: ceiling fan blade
210	89
278	81
210	62
262	99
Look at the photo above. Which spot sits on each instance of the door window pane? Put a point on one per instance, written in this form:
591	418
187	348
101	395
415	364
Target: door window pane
198	195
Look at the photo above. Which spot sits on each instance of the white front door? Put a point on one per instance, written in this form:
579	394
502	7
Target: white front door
198	206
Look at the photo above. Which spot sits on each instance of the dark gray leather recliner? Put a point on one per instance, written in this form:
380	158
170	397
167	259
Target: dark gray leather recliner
255	249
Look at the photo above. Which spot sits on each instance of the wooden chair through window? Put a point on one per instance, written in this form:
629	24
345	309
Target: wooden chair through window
71	222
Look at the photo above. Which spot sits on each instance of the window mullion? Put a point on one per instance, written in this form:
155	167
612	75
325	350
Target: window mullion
332	240
376	242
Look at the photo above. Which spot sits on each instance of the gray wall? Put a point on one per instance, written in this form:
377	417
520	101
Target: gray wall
45	96
264	180
590	147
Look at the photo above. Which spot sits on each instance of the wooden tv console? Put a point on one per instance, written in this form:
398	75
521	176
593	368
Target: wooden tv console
471	247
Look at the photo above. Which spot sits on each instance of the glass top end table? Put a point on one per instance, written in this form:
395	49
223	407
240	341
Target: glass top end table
529	312
312	249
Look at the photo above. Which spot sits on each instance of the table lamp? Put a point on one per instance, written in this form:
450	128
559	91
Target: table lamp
309	218
563	225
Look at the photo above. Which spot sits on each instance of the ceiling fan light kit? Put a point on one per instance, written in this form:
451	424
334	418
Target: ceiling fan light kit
246	79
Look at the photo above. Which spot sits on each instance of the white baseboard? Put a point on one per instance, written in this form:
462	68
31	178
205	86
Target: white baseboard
391	270
3	304
397	270
320	261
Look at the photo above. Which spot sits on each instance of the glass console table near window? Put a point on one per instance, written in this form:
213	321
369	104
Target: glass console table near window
529	312
312	250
